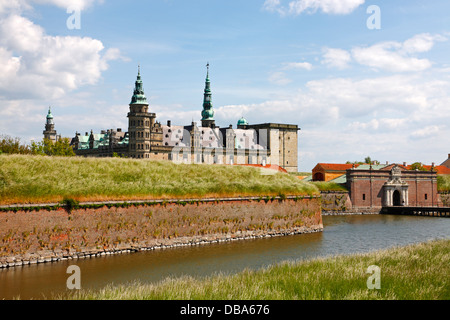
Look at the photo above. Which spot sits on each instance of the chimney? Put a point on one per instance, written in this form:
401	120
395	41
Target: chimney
387	162
433	164
449	155
169	123
119	129
404	164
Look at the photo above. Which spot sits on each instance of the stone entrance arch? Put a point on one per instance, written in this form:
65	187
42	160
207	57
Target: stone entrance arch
395	190
396	199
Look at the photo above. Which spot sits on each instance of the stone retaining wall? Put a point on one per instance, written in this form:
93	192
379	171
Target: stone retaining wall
34	234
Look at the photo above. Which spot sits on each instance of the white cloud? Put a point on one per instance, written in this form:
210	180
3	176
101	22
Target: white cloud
392	56
388	56
297	7
336	58
428	131
298	65
34	64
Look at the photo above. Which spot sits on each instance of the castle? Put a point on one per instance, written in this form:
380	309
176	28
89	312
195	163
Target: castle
146	138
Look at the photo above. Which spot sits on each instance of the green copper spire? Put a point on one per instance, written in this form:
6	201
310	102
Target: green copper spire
49	116
208	112
138	95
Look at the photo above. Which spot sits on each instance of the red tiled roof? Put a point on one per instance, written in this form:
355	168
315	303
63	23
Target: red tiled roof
335	166
438	169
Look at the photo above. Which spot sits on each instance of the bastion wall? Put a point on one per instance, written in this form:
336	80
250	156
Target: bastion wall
33	234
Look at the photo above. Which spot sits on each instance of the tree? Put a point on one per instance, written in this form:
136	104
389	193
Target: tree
418	166
10	145
49	148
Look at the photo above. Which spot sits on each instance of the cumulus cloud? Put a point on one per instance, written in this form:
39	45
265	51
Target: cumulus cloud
336	58
392	56
297	7
34	64
388	56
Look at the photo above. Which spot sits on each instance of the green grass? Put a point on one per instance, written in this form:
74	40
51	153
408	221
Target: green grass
329	186
36	179
415	272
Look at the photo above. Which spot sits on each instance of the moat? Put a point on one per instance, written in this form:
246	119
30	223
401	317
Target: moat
341	235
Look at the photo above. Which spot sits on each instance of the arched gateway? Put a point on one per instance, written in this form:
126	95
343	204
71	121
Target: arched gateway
395	190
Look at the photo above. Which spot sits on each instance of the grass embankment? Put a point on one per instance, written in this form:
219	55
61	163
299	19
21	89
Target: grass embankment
39	179
329	186
415	272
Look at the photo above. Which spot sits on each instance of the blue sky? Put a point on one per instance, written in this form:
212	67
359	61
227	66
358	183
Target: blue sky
354	91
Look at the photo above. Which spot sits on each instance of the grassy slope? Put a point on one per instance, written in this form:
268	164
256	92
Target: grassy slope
415	272
35	179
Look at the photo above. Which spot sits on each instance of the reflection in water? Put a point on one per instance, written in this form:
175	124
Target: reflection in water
342	235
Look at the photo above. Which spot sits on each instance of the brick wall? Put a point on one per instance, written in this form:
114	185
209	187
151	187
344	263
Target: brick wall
366	187
105	228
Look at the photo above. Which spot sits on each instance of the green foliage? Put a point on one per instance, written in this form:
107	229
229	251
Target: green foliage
49	148
418	166
10	145
367	160
443	183
70	204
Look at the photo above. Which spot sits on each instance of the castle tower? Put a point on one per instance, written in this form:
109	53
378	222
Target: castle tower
50	132
208	112
140	122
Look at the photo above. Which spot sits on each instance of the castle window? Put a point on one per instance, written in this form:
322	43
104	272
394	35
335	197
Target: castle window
166	144
167	135
364	197
426	196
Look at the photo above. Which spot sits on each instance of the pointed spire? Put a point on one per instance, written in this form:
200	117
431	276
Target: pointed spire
49	114
208	112
138	94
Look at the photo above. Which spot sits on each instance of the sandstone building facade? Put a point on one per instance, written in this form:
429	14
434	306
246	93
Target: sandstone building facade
146	138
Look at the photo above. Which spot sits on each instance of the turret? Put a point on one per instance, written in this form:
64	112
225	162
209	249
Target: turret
50	132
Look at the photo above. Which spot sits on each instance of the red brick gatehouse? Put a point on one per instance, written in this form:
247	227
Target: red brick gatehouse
393	185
